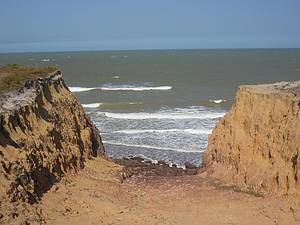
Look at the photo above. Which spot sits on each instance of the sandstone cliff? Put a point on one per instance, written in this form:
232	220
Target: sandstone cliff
257	144
44	133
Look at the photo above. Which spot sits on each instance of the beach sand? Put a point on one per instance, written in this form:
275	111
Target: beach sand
97	195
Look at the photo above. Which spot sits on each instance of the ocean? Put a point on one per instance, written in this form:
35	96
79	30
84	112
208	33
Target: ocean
162	104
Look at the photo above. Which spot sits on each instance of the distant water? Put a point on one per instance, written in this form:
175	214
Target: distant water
162	104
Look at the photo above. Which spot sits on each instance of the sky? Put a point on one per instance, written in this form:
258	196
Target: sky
72	25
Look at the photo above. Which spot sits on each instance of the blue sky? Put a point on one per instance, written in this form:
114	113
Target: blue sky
64	25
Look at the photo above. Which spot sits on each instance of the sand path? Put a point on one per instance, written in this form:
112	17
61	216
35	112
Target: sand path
97	196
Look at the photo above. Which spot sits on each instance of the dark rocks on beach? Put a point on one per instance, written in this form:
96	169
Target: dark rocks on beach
137	158
190	166
174	166
137	166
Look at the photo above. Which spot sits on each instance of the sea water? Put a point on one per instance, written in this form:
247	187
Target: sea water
162	104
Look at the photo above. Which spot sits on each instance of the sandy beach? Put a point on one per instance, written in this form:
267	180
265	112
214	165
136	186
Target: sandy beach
96	195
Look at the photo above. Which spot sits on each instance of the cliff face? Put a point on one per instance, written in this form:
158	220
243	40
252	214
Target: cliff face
257	144
44	133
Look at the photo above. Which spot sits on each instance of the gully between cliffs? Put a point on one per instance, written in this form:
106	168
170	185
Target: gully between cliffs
44	133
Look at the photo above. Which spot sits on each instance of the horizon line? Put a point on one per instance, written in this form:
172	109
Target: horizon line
151	49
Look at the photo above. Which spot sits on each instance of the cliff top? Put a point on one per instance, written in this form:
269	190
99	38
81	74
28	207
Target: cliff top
283	87
17	82
13	76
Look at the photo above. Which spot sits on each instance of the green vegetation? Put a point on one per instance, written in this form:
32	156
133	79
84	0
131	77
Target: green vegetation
13	76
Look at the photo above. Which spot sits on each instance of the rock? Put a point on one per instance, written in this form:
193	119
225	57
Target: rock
190	169
137	158
44	133
14	215
147	162
162	163
25	223
139	167
190	166
257	144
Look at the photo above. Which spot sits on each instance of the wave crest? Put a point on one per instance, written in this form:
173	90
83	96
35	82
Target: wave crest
92	105
81	89
217	101
190	131
162	115
121	88
150	147
132	88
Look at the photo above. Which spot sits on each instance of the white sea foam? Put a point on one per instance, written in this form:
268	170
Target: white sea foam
92	105
98	104
135	103
81	89
116	77
155	161
163	115
134	88
121	88
150	147
45	60
217	101
122	103
190	131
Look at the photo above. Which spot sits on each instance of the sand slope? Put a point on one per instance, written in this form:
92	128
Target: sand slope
96	195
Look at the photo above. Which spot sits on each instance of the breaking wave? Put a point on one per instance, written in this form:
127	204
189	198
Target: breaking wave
163	115
150	147
133	88
217	101
92	105
121	88
190	131
81	89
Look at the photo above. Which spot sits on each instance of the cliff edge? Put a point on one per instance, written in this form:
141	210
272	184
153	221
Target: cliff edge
44	133
257	143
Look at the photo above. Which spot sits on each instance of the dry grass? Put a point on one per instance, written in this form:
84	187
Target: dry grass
238	189
13	76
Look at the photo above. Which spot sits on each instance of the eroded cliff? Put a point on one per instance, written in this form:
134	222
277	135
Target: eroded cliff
44	133
257	144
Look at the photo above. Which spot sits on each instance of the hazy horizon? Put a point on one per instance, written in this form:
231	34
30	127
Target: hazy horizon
150	49
58	26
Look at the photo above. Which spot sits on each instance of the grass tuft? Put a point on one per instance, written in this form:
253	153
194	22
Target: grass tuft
13	76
